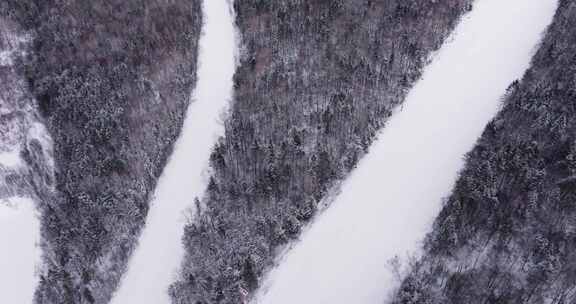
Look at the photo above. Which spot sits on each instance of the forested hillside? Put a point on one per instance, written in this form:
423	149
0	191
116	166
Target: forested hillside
317	80
112	80
507	233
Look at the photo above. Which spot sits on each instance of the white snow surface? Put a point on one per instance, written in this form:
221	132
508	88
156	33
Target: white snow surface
10	159
389	202
20	252
154	264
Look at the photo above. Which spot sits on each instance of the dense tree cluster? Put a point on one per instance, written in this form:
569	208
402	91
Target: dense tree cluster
507	233
113	80
317	80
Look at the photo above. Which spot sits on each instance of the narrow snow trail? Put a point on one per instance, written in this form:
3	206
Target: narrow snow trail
19	252
389	202
155	262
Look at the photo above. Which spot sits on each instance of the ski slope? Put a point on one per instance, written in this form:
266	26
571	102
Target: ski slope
19	253
389	202
154	264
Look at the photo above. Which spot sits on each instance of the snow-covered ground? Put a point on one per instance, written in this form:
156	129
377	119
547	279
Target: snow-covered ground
19	252
155	262
388	204
10	159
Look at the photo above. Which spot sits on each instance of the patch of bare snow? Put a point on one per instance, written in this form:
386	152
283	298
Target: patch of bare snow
10	159
20	251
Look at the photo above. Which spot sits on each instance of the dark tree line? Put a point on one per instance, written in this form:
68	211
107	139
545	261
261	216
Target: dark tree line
112	80
317	80
507	233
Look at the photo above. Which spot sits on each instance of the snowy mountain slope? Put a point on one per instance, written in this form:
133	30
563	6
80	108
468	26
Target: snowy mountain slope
506	233
309	187
154	265
110	81
315	82
387	204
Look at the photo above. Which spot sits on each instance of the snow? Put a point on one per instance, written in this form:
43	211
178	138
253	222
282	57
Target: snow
39	132
10	159
5	58
19	253
389	202
155	262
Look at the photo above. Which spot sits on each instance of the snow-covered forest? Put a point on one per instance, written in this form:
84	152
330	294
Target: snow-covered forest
269	152
387	203
183	177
